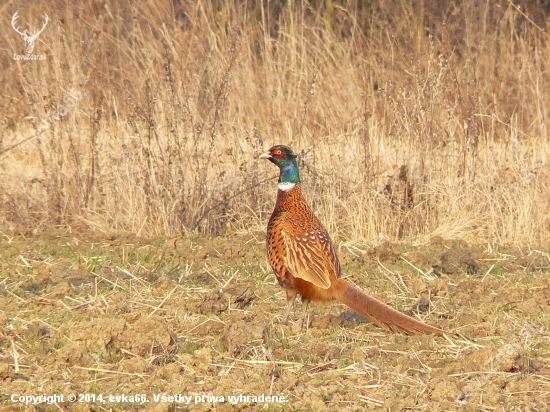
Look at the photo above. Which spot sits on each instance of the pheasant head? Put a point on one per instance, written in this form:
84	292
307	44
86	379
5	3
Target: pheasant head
285	159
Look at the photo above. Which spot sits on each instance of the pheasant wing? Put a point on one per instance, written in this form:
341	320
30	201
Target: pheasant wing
311	257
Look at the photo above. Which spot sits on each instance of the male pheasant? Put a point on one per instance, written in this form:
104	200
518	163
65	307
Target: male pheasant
304	260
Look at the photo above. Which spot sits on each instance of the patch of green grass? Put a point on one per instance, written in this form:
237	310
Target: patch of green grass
324	395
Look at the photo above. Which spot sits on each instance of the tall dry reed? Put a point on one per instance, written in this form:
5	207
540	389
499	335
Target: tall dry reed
411	119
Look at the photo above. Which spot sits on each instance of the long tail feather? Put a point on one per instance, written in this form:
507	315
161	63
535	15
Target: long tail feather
377	312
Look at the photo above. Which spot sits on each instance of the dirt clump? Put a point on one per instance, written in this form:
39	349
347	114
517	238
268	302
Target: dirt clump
238	336
236	295
98	335
146	337
71	355
386	251
456	261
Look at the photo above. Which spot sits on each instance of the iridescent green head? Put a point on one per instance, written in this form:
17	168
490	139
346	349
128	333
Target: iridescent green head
285	159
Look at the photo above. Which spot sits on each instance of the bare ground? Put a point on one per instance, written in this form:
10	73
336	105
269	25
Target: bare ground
87	314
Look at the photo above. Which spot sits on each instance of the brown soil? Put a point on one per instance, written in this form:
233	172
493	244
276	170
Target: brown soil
200	317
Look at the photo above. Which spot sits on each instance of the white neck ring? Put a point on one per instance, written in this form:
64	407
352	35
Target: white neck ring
286	186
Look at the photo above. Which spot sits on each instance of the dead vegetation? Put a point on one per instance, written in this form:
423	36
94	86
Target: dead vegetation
175	101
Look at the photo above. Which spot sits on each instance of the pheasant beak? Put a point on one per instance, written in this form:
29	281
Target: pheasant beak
265	155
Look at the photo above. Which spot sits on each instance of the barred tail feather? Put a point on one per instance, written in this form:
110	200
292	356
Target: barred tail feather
377	312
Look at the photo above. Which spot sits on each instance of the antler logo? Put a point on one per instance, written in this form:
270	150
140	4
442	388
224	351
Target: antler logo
29	39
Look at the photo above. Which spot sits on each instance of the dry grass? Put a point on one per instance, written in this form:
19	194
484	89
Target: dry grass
178	99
